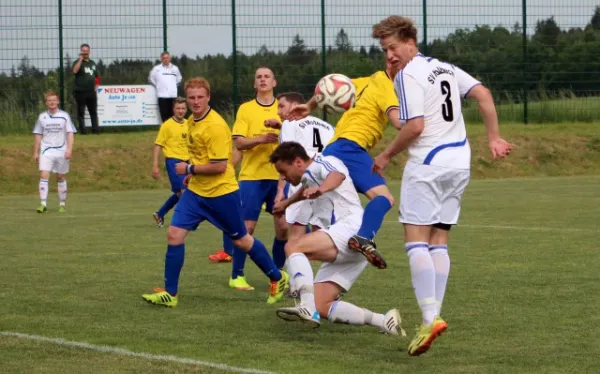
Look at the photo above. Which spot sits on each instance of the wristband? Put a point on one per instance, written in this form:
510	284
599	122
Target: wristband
189	169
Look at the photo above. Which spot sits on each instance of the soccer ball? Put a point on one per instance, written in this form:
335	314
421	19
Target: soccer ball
335	93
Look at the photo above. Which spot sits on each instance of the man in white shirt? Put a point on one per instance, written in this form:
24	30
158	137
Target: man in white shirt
52	149
165	77
313	134
325	178
439	157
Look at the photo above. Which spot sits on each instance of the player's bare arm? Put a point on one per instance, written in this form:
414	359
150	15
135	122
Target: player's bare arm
36	147
393	116
280	187
303	110
155	170
212	168
243	144
408	134
70	141
281	206
498	146
333	181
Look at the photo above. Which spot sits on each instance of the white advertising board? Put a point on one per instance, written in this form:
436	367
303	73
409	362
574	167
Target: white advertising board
126	105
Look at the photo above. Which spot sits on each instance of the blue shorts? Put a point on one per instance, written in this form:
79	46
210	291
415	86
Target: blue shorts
254	194
224	212
176	180
358	161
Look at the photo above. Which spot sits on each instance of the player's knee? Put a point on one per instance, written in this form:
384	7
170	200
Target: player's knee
61	177
175	236
250	226
323	308
245	243
291	247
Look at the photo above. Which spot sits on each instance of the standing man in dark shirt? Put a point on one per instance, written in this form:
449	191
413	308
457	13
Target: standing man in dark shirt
85	86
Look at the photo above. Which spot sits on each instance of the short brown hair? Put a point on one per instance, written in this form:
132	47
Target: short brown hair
164	53
47	94
288	152
292	97
179	100
401	27
197	82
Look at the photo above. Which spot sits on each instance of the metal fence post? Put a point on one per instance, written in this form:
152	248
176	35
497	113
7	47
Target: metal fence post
525	88
164	20
323	48
236	99
425	27
61	70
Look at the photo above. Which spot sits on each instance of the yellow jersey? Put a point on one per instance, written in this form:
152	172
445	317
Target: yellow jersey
250	122
172	137
209	140
365	123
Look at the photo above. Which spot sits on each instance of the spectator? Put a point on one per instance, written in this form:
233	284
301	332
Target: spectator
87	80
165	77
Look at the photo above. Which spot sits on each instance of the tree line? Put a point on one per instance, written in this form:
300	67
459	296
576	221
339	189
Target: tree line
556	61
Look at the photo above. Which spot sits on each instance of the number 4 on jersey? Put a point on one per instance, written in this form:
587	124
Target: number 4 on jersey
317	143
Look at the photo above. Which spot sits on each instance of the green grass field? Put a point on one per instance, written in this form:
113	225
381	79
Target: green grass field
522	295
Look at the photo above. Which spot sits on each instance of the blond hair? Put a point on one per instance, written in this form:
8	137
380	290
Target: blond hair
198	82
179	100
400	27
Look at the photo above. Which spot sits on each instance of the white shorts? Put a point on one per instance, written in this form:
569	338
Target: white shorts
348	265
431	194
54	161
314	212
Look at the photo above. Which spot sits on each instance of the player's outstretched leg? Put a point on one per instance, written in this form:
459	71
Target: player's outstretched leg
258	254
306	310
364	241
349	314
173	264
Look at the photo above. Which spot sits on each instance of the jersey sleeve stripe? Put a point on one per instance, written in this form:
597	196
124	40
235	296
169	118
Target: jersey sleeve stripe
403	106
473	86
218	159
307	172
326	164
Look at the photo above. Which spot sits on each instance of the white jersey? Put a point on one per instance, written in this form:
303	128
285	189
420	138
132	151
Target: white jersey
433	89
54	129
344	199
165	79
311	132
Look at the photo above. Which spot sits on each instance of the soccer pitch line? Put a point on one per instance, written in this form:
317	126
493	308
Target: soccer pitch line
128	353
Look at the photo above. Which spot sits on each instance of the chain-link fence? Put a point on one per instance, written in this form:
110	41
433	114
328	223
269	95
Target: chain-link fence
540	58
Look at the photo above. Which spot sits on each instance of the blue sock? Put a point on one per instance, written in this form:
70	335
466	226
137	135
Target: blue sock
279	252
373	216
227	244
258	253
173	265
168	205
238	263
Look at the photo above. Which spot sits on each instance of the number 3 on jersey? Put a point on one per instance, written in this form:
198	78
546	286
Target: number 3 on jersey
447	110
317	143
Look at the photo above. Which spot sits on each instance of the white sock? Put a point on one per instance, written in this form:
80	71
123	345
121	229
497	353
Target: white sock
423	279
62	192
343	312
301	273
43	188
441	263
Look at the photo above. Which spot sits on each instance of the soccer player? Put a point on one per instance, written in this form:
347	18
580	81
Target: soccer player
258	178
212	194
439	156
52	148
325	177
357	131
312	133
172	140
